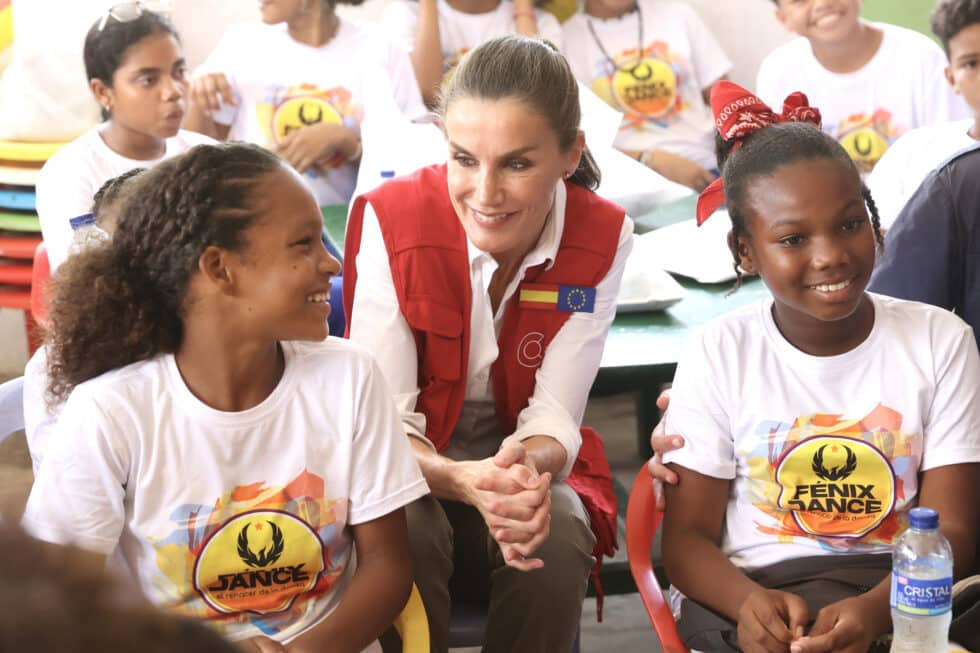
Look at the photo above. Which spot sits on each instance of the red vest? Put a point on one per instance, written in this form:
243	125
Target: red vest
430	268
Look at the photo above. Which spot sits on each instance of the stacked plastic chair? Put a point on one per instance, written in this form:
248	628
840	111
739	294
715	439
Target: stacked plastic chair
20	230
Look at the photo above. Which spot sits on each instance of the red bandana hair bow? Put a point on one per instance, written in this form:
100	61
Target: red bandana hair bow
738	113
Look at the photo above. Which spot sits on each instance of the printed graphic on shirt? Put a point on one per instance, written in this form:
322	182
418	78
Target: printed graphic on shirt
288	109
866	138
259	561
257	555
646	88
835	479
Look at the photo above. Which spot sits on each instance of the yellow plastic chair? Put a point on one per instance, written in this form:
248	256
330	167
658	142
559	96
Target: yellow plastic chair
412	625
24	152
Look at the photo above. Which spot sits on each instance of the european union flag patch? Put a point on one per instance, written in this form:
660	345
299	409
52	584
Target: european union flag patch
571	299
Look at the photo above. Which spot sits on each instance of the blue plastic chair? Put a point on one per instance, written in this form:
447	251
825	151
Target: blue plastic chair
11	407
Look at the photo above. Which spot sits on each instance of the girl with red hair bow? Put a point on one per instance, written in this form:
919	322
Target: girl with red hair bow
804	453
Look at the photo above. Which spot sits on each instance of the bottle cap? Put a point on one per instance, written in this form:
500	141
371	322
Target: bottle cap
923	518
387	174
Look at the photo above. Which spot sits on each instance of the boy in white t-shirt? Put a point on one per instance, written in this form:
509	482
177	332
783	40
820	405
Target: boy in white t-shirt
439	32
301	82
872	81
655	61
920	151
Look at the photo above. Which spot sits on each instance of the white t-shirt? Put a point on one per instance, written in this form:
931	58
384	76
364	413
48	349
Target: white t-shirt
241	518
903	87
39	420
281	85
824	452
661	97
69	180
910	159
460	32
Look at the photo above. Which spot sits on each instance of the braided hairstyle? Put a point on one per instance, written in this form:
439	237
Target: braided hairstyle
134	287
532	71
761	154
108	195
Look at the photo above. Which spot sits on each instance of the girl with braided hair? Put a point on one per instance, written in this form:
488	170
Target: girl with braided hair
814	420
196	439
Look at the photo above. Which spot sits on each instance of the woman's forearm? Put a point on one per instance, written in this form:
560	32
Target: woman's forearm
441	473
545	453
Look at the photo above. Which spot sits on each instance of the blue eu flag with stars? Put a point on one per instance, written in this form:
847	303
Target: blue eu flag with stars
576	299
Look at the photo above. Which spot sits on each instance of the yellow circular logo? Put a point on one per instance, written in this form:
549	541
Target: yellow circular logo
647	89
302	111
836	486
865	145
258	561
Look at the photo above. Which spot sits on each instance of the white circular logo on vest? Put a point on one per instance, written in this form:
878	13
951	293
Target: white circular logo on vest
258	561
531	350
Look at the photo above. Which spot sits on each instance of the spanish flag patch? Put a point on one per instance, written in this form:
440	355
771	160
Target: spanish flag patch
571	299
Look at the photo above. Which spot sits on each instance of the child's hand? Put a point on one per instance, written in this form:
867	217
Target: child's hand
678	168
770	620
209	91
324	144
660	442
260	644
840	627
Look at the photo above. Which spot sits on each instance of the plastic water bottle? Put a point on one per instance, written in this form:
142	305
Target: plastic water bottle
922	586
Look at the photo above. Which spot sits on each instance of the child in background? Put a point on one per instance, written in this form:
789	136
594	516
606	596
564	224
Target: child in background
196	436
439	32
873	81
300	82
655	61
39	416
920	151
814	420
137	74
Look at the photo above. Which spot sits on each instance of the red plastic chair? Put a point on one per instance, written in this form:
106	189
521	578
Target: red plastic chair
40	275
642	522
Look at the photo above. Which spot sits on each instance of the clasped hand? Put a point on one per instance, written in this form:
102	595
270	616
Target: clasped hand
772	621
515	502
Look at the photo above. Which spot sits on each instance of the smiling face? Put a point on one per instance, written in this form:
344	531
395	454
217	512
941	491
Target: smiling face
823	21
504	163
147	96
284	272
811	241
963	72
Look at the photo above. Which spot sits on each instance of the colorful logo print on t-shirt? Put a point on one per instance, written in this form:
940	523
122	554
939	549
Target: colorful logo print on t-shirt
866	138
258	561
253	555
836	479
645	87
288	110
836	486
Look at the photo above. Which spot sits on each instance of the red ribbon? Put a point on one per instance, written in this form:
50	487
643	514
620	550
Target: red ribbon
739	113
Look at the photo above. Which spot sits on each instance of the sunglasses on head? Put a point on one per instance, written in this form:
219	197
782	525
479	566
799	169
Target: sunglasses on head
126	12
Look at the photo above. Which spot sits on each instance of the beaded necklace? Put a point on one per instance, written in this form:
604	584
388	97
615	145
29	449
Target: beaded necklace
639	46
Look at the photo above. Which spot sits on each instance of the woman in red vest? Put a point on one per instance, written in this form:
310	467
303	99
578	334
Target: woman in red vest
485	288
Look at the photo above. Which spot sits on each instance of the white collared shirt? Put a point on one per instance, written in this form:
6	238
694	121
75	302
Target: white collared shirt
562	382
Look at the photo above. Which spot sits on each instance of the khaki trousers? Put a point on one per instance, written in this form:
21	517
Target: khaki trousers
529	612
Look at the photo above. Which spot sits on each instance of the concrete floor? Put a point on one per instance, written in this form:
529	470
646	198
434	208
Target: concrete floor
625	627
